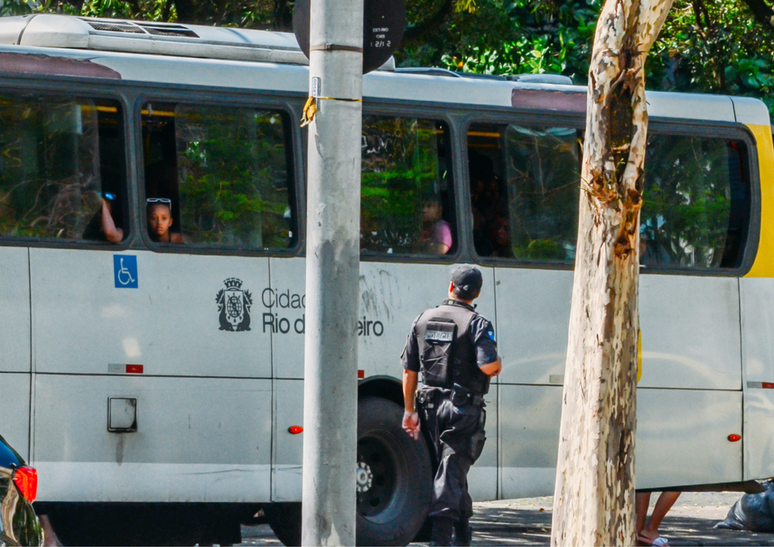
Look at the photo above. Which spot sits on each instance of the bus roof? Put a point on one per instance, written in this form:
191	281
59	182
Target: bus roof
196	55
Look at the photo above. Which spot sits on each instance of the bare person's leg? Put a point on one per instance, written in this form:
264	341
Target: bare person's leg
642	500
663	504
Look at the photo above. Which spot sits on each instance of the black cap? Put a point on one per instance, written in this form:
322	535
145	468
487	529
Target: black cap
467	278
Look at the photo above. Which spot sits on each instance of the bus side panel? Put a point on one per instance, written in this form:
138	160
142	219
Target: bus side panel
197	439
682	437
15	347
288	451
757	327
690	332
14	310
690	328
394	295
281	310
483	476
167	312
391	297
15	410
533	310
529	436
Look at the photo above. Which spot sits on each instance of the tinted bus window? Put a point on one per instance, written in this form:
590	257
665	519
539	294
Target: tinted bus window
224	174
407	200
524	191
524	196
696	202
62	168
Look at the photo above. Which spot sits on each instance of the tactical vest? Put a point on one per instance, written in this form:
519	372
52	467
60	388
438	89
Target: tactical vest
446	354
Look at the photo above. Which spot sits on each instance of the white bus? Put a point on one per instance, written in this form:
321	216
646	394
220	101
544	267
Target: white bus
158	386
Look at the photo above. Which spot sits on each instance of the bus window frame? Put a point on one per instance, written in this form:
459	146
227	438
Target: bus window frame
76	88
656	125
190	96
401	109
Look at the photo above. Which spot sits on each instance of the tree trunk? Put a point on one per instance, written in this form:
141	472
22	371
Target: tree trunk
594	495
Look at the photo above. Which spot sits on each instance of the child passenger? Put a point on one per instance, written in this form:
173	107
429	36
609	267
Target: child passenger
160	221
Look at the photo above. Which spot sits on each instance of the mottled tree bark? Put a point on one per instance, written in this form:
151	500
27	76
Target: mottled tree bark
594	495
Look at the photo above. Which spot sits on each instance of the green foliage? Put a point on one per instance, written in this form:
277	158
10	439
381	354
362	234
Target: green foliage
48	172
14	7
235	186
401	161
714	47
517	37
688	205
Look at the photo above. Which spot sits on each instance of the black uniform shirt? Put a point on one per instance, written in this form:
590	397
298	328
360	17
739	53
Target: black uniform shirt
481	334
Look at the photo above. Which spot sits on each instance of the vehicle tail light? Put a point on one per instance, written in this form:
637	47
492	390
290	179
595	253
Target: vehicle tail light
26	479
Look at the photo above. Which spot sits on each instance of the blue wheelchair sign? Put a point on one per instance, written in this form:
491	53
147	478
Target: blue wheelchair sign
125	271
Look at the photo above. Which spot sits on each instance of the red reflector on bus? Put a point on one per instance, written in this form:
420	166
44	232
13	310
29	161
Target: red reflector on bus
26	479
767	385
360	374
734	437
134	369
295	429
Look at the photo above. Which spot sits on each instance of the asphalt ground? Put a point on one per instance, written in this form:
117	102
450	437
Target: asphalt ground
528	522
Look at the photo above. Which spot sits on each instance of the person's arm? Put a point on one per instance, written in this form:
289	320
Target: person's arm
410	416
112	233
493	368
410	360
483	336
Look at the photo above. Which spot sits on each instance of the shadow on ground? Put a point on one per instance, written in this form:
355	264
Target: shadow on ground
509	526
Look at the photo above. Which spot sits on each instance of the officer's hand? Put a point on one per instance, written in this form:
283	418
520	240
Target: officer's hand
411	424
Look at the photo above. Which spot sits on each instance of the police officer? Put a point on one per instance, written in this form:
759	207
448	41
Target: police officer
456	350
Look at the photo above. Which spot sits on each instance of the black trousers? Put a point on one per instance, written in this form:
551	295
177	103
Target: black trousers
457	437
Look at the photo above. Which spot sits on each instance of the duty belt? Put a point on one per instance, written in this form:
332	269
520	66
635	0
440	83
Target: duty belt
425	394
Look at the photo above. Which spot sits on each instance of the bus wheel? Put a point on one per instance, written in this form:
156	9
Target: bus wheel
394	476
394	482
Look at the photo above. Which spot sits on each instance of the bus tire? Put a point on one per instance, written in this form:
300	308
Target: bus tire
395	476
394	482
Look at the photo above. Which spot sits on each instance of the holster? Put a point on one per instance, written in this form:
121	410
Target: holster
463	396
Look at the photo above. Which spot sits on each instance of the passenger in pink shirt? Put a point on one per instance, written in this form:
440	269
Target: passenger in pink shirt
437	233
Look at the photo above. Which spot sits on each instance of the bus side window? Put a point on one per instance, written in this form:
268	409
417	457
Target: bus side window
62	169
524	191
696	204
223	171
407	199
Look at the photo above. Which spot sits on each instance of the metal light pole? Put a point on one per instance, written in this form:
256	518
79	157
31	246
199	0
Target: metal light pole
332	273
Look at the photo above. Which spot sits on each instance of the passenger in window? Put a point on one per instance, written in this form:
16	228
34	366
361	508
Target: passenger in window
436	232
160	221
494	218
491	234
102	226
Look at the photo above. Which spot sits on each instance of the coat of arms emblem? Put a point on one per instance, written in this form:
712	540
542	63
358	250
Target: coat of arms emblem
234	306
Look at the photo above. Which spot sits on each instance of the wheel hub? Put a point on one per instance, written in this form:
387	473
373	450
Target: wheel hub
365	477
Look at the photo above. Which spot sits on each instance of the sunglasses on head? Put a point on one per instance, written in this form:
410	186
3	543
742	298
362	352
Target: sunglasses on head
163	201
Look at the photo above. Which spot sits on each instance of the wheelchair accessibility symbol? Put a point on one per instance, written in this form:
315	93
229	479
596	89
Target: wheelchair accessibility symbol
125	271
